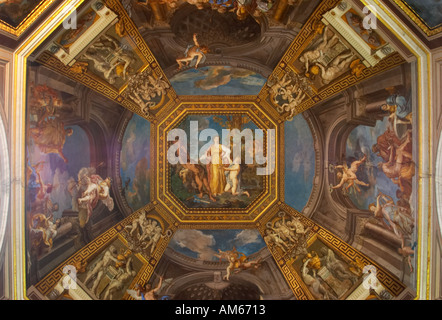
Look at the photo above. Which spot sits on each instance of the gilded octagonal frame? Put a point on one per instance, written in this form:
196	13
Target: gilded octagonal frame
272	192
214	222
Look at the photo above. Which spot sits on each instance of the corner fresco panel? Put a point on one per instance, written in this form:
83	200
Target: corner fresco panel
135	163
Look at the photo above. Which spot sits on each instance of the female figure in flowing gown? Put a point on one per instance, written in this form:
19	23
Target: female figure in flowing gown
217	179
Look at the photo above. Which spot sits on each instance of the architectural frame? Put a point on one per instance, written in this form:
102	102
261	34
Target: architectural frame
426	178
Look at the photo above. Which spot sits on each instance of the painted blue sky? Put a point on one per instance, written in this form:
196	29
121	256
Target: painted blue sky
219	80
299	162
77	150
361	140
202	244
135	162
57	172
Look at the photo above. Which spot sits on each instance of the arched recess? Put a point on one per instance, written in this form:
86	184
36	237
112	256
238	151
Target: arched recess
271	283
188	18
359	109
436	265
318	179
425	176
102	160
438	183
88	142
194	279
437	237
116	152
102	121
132	188
341	204
335	155
4	184
259	55
424	113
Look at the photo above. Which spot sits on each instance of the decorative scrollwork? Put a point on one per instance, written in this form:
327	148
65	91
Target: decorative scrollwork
146	90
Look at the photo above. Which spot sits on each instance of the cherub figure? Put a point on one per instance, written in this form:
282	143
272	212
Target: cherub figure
277	85
147	229
348	176
238	261
407	252
313	55
97	189
155	236
272	238
314	284
137	224
46	227
146	292
233	179
337	66
98	271
50	136
400	167
393	217
295	95
119	282
158	86
194	54
284	232
297	226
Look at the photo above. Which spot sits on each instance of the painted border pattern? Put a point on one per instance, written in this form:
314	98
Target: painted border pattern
389	281
406	8
89	251
97	84
30	19
260	204
99	244
338	85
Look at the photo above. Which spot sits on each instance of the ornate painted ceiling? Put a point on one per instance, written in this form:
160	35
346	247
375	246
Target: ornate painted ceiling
321	96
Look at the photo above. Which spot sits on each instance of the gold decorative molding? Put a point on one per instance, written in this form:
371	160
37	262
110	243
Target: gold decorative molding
392	284
406	8
87	253
170	202
306	89
126	92
28	21
116	233
68	44
289	263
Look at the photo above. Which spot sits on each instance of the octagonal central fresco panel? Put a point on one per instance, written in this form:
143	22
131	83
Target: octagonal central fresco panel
217	162
230	185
